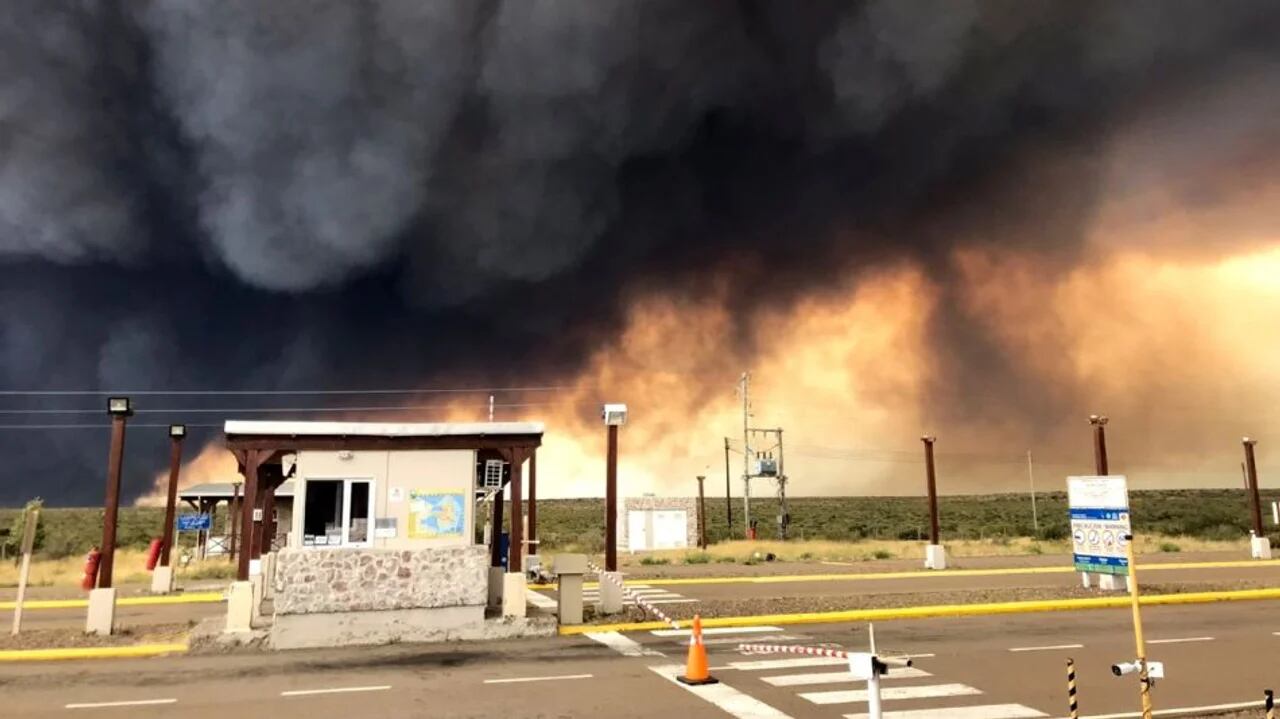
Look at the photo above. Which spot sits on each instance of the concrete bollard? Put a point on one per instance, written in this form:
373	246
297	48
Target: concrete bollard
240	608
569	570
513	594
1259	547
610	592
269	576
1113	582
935	556
162	580
101	617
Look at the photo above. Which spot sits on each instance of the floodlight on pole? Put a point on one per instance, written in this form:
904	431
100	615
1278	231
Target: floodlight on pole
119	407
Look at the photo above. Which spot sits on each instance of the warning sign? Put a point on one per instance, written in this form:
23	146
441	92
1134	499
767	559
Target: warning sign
1099	509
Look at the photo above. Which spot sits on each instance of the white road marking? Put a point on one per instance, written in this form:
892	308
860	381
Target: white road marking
988	711
769	638
838	564
541	601
714	630
723	696
137	703
788	663
1180	640
335	690
795	680
626	646
1047	648
929	691
1177	711
518	680
681	600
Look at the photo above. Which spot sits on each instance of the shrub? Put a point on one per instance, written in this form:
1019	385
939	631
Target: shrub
805	556
882	554
697	558
725	560
650	561
1035	549
1169	547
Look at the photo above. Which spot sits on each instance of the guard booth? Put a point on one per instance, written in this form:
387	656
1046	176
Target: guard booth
384	543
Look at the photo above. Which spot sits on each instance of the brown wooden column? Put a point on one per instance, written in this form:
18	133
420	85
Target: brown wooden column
233	517
269	518
176	433
533	501
495	537
514	564
252	459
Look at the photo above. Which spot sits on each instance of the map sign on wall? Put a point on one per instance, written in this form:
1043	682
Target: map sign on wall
437	514
1099	523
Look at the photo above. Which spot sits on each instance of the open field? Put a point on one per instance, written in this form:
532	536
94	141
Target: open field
130	568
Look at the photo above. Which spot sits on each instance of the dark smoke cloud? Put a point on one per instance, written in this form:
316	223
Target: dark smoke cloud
374	192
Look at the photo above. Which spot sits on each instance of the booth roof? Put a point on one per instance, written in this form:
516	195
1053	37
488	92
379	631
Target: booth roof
381	429
211	490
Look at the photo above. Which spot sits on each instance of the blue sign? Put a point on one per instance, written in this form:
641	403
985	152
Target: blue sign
194	522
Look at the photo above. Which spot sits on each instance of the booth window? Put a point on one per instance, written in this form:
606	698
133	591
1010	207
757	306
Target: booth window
337	512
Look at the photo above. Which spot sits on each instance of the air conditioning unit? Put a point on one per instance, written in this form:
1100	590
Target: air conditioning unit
493	473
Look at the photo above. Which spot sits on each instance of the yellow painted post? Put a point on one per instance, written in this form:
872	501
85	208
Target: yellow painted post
1144	680
1071	689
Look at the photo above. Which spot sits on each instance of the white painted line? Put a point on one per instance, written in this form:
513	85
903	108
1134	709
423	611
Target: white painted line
683	600
541	601
929	691
788	663
1179	641
1177	711
714	630
723	696
626	646
795	680
137	703
838	564
1049	648
519	680
336	690
988	711
769	638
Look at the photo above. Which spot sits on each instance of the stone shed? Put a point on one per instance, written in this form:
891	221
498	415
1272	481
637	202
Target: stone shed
650	523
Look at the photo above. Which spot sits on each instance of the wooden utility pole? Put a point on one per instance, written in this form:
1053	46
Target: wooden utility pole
176	434
932	487
1099	444
728	500
1256	500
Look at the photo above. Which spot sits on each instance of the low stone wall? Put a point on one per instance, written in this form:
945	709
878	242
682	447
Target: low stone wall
314	581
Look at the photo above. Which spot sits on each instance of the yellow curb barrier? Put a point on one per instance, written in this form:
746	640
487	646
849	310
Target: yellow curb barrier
126	652
927	574
942	610
194	598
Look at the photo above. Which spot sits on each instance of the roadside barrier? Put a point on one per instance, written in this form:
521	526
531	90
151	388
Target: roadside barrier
862	665
696	671
639	601
1071	689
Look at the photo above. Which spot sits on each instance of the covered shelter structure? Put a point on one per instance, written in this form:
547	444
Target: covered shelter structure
385	520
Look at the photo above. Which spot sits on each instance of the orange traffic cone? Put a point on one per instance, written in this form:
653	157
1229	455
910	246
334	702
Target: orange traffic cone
695	669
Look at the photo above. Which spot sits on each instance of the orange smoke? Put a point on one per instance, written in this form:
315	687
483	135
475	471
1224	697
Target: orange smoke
213	464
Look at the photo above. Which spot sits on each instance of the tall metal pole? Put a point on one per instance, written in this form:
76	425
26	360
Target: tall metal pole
784	513
176	434
120	411
1144	678
611	502
932	484
1252	466
728	500
1031	477
746	455
702	513
1099	444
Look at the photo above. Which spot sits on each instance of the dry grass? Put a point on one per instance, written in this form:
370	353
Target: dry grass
742	551
130	568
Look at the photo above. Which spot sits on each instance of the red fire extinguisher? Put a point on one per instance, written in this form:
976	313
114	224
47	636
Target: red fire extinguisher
90	577
153	554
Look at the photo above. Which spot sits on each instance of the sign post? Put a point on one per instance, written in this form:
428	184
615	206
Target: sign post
1100	529
28	545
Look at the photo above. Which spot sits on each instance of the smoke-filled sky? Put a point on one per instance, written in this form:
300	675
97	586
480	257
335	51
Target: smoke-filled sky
980	219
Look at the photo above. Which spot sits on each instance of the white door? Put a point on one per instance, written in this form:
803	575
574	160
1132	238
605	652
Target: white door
357	513
637	532
670	529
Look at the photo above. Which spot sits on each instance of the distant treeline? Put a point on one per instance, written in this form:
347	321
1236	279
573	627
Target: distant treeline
1218	514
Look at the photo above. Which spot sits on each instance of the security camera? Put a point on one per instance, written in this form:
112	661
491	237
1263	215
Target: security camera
1124	668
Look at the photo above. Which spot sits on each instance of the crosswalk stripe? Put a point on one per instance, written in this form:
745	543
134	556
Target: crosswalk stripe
723	696
714	630
986	711
785	663
795	680
626	646
930	691
681	600
770	638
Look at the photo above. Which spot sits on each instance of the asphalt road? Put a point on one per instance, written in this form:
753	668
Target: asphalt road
980	667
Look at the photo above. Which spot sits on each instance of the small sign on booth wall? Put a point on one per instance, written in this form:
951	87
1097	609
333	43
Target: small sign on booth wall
385	528
395	494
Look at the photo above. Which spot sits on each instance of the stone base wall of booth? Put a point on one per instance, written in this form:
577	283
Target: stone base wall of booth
332	581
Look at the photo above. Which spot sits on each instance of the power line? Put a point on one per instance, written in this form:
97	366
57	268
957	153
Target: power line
271	392
252	410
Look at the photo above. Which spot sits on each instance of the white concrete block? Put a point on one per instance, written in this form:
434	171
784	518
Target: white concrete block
240	607
101	617
935	556
610	593
496	580
255	567
1084	578
1113	582
162	580
269	575
1260	548
513	595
